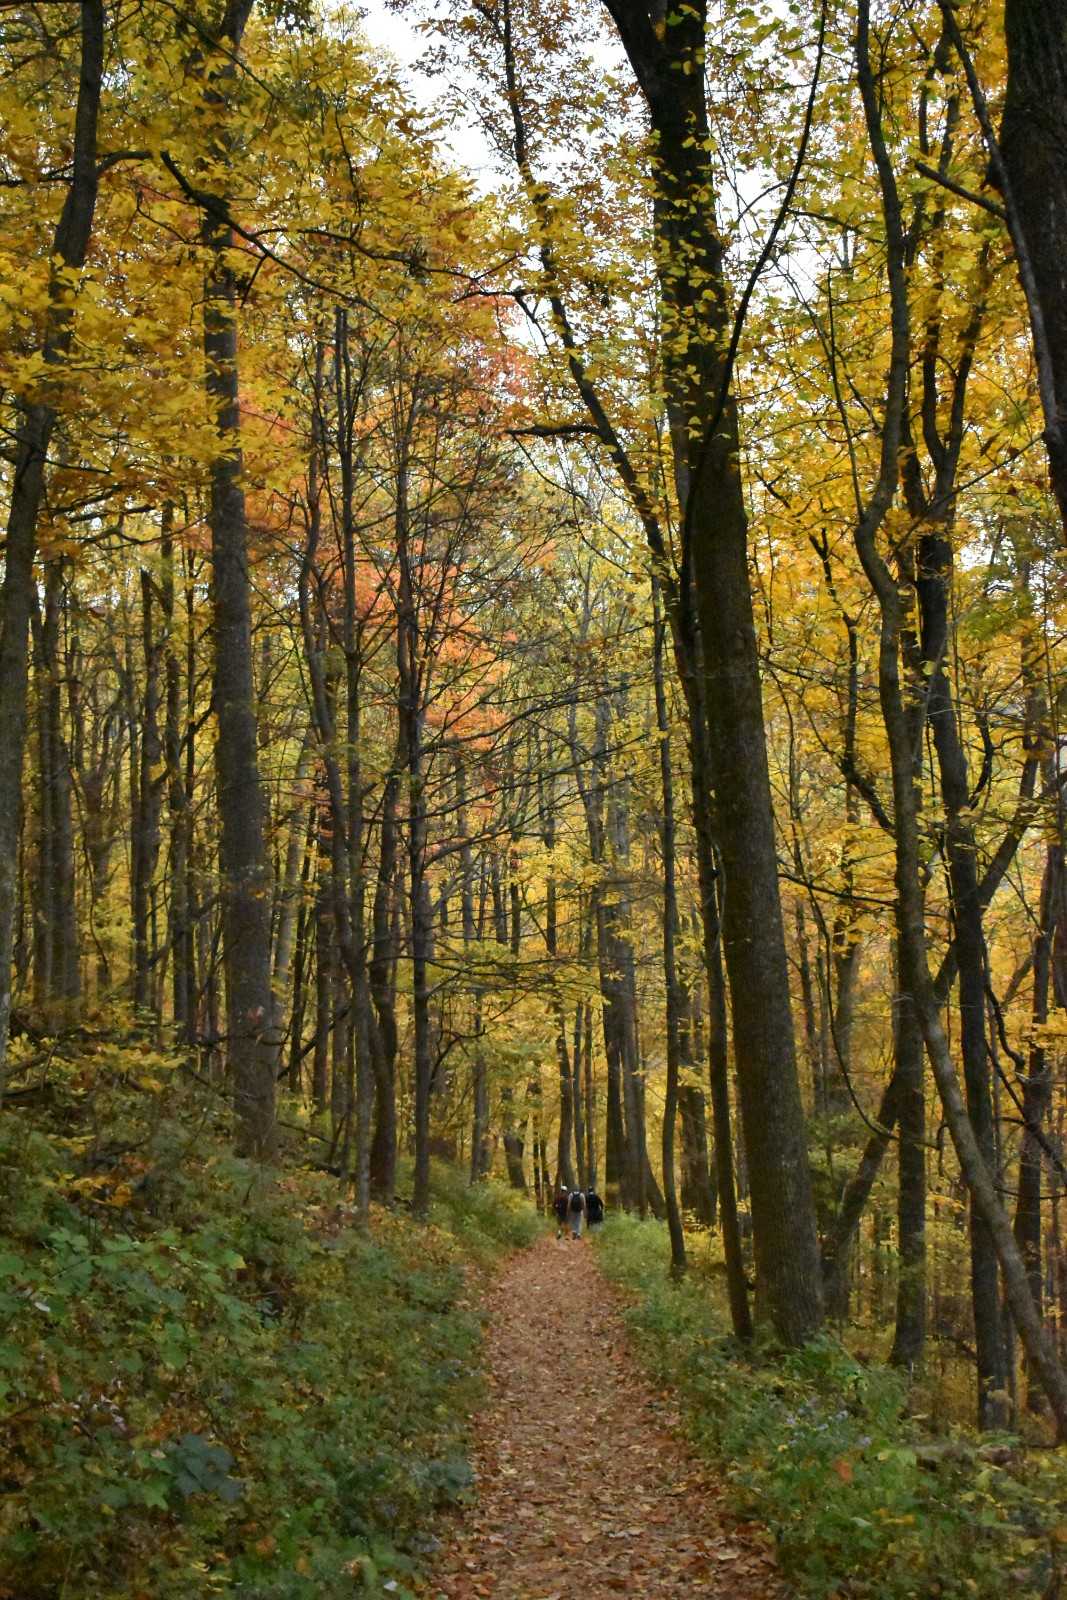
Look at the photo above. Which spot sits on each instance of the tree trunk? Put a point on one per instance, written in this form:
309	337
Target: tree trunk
697	1189
35	423
565	1139
152	771
365	1047
382	973
324	966
727	1186
910	1063
57	982
623	984
298	1010
411	714
582	1108
1051	937
251	1051
669	66
176	742
934	571
1032	141
671	927
293	877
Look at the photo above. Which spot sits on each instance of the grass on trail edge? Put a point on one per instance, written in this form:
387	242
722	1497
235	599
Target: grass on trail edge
821	1449
211	1384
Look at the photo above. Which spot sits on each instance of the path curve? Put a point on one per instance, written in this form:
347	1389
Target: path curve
585	1490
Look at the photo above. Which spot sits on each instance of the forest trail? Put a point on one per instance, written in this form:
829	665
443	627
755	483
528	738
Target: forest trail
585	1488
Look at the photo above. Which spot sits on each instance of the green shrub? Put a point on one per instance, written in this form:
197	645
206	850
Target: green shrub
486	1218
819	1448
210	1383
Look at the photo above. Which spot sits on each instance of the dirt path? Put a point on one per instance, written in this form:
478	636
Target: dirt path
585	1489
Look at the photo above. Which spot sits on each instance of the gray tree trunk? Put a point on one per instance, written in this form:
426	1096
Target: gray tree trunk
35	423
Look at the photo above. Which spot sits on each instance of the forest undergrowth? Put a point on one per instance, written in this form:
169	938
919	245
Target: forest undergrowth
211	1382
863	1494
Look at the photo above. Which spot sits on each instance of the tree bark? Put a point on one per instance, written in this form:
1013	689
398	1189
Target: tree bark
151	778
935	563
244	866
290	889
179	742
565	1137
1050	979
35	422
382	973
910	1064
671	926
411	715
1033	137
324	969
669	66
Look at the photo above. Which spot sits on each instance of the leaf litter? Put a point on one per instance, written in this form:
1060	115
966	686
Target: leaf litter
585	1488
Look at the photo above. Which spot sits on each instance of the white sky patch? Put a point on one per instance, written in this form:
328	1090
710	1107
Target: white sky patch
398	36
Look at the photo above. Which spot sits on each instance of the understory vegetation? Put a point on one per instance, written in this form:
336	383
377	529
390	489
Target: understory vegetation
211	1381
863	1496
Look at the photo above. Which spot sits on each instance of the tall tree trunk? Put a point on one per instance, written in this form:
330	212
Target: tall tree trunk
669	66
363	1021
411	719
289	885
590	1097
35	422
671	927
910	1063
151	777
582	1109
934	571
1032	141
615	1165
608	831
565	1166
325	933
382	974
513	1131
636	1189
56	963
298	1009
44	899
688	656
473	927
698	1193
251	1051
1050	957
179	804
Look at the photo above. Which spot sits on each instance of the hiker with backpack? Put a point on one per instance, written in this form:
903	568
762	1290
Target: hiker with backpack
575	1212
594	1207
560	1207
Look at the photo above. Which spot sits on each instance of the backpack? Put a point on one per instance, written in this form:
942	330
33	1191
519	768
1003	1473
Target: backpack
594	1206
561	1205
577	1203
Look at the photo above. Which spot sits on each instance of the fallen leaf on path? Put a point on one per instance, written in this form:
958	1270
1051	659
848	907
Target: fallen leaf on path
585	1491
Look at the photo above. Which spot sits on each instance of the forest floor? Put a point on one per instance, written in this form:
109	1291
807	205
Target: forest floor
585	1487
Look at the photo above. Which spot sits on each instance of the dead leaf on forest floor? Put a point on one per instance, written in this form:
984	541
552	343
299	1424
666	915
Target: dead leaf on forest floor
584	1492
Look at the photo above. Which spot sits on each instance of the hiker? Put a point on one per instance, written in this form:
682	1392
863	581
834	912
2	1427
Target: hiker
562	1198
594	1207
576	1211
